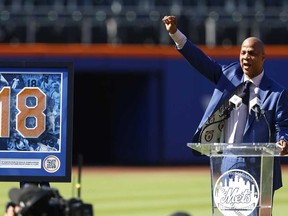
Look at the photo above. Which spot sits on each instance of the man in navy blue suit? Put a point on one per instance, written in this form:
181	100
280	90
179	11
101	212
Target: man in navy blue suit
246	124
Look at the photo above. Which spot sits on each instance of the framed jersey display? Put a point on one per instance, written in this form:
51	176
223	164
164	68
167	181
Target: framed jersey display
36	121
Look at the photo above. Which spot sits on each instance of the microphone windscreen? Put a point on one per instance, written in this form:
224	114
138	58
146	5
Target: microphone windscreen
236	101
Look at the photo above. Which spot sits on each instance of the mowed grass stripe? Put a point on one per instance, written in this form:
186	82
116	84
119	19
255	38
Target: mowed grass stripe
135	187
150	193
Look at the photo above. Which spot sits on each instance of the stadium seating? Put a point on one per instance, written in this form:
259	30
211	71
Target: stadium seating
139	21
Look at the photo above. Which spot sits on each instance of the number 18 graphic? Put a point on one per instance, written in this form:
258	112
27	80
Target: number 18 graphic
30	118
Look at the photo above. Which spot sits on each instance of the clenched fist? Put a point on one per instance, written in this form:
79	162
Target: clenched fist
170	24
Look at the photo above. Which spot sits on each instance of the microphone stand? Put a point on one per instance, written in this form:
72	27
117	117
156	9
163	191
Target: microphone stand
269	129
226	113
233	104
256	106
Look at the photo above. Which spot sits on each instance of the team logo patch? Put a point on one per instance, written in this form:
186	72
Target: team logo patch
236	193
221	126
209	135
51	164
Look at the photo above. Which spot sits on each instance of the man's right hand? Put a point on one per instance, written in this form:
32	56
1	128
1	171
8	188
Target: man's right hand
170	24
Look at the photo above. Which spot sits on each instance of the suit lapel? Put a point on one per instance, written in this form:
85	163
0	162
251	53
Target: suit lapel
264	88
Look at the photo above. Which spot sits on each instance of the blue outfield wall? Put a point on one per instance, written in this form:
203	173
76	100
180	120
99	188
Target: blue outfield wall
152	109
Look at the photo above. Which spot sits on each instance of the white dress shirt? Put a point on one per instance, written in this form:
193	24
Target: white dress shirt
179	38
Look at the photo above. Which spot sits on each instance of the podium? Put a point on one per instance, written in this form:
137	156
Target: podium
241	177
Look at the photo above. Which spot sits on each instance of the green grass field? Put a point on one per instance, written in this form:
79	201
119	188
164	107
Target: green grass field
154	191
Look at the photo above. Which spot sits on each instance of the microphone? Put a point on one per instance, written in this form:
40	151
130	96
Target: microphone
255	104
234	103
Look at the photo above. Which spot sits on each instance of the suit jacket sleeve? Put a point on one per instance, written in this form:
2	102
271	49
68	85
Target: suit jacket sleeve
281	116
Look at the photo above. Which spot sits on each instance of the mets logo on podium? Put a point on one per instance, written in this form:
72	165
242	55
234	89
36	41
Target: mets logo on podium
236	192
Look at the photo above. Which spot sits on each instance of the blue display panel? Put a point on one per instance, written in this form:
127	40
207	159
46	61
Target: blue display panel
36	121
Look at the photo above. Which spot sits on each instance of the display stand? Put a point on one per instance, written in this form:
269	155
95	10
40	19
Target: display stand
244	187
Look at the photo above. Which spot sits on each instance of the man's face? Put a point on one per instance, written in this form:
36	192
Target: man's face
252	57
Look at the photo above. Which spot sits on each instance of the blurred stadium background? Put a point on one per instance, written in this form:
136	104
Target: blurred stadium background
210	22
